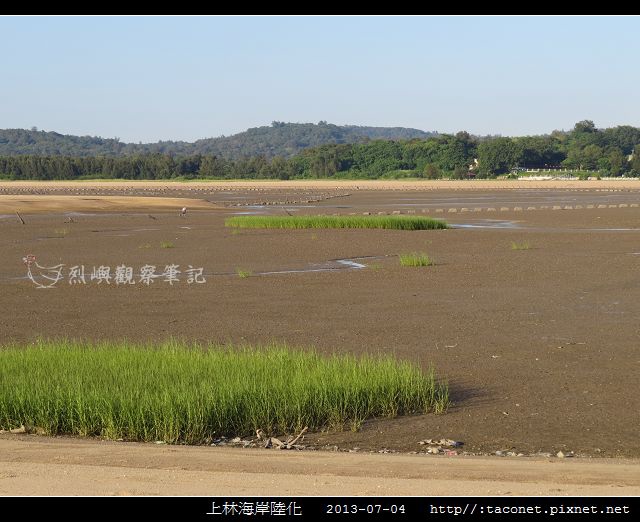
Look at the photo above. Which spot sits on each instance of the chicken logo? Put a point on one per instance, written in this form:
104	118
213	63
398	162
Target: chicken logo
42	276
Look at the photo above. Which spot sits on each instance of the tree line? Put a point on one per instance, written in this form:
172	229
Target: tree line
607	152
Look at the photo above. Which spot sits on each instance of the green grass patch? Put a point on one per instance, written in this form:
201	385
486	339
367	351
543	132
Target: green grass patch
243	273
61	232
524	245
415	259
387	222
182	393
166	244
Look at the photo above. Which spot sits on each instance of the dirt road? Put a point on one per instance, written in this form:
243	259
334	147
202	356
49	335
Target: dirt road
31	465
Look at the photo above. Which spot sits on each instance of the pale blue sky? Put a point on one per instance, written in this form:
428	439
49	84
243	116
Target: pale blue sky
146	79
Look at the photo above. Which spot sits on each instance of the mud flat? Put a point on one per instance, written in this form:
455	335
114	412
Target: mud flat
539	344
29	204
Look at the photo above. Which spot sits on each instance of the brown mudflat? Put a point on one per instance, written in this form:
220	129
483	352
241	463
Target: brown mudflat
539	345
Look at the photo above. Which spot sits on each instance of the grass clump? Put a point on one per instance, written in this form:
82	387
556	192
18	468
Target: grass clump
386	222
242	274
520	246
415	259
61	232
182	393
166	244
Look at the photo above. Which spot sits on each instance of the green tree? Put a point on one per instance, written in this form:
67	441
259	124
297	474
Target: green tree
617	162
211	167
586	126
460	172
498	156
431	171
590	156
635	161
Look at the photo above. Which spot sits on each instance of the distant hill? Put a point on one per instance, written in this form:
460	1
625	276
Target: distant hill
278	139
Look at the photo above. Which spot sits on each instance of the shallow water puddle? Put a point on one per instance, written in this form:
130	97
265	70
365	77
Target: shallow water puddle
250	213
351	264
342	264
345	264
487	223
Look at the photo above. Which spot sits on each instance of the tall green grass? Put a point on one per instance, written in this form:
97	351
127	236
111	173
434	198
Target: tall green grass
415	259
191	394
243	274
388	222
525	245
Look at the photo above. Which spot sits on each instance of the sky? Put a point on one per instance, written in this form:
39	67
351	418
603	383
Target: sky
185	78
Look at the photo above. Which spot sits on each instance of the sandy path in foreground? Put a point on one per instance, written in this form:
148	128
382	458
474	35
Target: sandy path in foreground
32	465
30	204
479	184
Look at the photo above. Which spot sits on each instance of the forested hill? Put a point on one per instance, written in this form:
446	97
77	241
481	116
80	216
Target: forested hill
586	151
278	139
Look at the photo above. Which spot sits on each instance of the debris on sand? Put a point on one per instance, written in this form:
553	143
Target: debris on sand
290	443
562	455
441	446
263	441
442	442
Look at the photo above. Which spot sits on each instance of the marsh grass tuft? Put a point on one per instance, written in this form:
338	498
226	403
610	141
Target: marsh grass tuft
415	259
145	245
166	244
243	273
386	222
520	246
61	232
187	393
